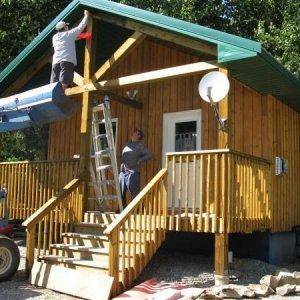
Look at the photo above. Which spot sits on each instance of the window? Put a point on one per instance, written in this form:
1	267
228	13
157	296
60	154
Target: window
186	136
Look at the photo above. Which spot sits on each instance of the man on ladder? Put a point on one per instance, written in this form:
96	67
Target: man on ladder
133	154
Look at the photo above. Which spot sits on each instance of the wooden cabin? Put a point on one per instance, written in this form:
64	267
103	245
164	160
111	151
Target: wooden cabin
201	179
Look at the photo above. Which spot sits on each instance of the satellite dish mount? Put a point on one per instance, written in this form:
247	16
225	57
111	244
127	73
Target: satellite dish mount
213	88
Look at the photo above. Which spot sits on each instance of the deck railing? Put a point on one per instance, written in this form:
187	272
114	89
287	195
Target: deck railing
31	184
56	216
218	191
136	234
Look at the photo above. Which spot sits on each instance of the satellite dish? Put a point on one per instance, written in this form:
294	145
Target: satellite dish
214	87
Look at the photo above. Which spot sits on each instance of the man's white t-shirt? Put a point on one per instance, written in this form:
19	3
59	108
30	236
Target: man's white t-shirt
64	44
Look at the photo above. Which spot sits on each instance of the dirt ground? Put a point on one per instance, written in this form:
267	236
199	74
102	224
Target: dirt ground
193	270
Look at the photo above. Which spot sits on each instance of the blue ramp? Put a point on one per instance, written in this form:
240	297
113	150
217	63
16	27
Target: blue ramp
35	107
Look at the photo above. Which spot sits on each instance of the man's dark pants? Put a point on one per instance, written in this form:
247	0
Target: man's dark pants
129	180
63	72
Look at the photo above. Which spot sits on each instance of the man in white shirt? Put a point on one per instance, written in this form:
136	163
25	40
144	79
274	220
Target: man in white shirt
64	58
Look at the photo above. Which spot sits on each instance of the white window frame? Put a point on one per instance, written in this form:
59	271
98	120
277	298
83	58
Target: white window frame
169	121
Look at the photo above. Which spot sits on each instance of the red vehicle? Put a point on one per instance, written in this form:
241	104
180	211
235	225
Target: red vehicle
9	251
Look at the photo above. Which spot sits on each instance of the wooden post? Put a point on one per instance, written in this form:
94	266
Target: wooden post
30	245
221	259
85	130
113	264
221	239
223	141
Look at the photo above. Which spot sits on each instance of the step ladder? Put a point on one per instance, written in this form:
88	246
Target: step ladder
105	157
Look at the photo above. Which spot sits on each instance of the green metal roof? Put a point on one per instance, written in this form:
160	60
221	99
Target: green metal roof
246	59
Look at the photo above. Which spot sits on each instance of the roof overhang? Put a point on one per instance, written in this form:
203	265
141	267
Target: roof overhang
246	60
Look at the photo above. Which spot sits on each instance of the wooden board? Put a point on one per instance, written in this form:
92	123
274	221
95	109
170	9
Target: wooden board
79	283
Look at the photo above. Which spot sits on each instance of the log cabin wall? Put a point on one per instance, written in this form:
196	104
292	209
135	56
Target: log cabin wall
260	125
264	126
158	98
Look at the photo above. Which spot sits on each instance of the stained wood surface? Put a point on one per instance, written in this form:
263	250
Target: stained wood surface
265	127
137	233
218	191
31	184
158	98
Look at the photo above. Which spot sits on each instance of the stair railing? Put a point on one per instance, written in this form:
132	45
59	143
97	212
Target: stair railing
136	234
56	216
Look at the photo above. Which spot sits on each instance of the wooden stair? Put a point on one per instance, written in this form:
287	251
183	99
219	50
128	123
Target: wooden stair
79	265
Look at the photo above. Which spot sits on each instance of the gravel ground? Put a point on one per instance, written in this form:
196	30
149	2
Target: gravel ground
18	287
193	270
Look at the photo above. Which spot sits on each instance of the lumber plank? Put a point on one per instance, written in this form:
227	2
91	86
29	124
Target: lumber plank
142	78
51	203
131	43
78	79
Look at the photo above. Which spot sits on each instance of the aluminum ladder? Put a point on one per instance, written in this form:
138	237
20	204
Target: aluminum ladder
105	157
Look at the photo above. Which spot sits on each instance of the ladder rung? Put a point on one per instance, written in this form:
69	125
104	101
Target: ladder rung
108	182
98	108
108	197
103	152
101	136
104	197
104	167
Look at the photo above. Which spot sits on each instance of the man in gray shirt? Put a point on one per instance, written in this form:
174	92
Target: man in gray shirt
133	154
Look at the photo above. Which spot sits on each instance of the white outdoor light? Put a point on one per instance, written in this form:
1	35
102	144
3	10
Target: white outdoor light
214	87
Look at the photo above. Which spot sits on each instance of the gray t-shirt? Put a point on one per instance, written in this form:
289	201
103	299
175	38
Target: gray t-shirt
133	154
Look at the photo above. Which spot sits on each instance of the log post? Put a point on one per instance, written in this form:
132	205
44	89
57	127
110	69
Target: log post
30	246
223	140
85	128
113	263
221	239
221	259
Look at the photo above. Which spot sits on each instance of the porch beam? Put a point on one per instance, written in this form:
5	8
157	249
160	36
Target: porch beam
159	33
27	75
123	100
131	43
147	77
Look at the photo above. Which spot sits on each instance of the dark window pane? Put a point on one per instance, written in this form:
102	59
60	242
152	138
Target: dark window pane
186	136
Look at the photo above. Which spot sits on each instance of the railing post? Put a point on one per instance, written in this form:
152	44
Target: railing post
165	201
30	246
113	267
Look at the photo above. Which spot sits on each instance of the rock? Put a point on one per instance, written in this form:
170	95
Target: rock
208	294
270	280
296	275
286	289
261	290
245	292
191	292
297	289
282	270
227	291
286	278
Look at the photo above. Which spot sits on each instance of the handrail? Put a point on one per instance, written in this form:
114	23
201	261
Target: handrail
220	151
38	161
42	219
134	203
51	203
136	234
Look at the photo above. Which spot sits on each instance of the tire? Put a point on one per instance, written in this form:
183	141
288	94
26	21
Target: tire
9	258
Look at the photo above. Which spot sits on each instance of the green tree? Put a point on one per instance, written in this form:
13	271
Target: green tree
275	23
